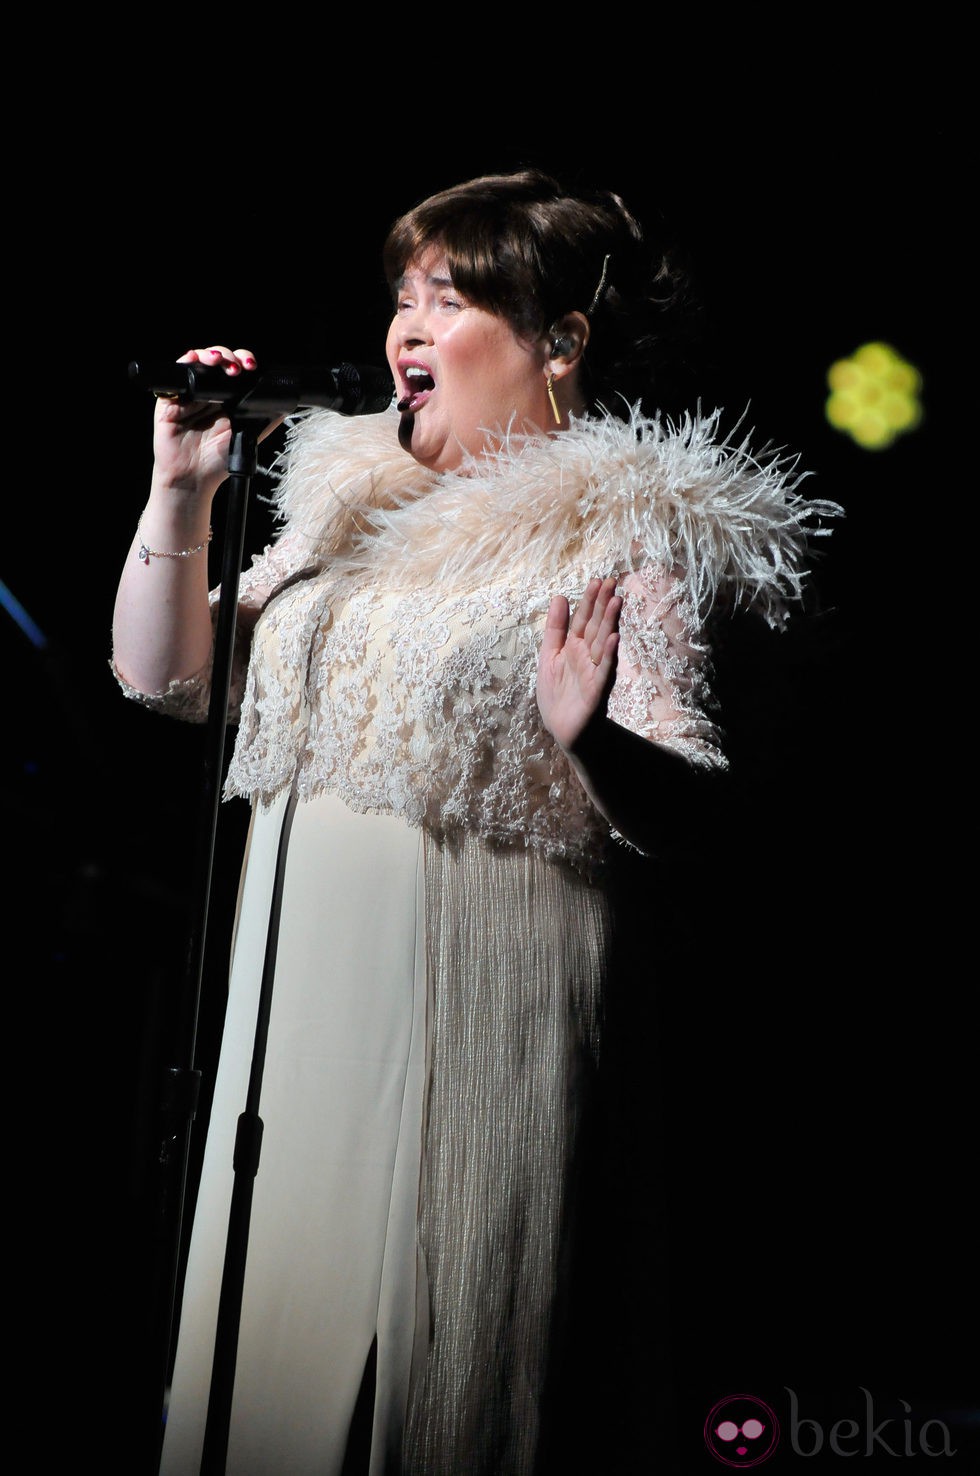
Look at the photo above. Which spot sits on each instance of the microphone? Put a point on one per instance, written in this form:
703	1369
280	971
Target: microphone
351	389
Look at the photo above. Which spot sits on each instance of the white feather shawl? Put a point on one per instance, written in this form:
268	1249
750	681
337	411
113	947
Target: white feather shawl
621	494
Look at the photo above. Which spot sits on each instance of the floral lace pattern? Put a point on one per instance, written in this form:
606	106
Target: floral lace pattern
426	709
402	702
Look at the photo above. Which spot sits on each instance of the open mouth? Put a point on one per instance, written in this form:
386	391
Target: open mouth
417	385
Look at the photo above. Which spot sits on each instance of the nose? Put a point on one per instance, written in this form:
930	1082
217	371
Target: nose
411	327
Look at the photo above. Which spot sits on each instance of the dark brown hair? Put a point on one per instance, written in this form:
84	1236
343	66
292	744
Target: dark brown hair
522	246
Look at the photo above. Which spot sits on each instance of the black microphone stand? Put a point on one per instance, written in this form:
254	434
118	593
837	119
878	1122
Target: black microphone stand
349	390
181	1085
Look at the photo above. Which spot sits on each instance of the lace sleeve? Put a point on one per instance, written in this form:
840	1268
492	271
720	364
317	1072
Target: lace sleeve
189	697
662	688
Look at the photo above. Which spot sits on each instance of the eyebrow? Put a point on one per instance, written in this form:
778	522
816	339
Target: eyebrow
432	281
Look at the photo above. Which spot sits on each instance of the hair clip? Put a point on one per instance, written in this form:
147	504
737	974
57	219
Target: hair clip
601	287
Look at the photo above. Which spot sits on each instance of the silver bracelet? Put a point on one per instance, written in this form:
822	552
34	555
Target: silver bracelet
145	554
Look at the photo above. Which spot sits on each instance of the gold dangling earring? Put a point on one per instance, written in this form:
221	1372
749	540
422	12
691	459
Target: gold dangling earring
551	397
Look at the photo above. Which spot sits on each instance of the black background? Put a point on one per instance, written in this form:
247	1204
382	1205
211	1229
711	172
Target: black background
780	1194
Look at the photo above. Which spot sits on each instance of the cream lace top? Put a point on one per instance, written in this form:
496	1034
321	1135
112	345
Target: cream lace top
388	639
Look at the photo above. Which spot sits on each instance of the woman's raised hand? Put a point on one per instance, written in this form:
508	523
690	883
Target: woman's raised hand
191	441
577	662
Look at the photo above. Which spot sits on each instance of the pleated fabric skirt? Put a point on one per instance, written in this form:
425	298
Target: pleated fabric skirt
434	1014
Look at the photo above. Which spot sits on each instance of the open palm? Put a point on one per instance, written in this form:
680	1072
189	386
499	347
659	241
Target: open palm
577	661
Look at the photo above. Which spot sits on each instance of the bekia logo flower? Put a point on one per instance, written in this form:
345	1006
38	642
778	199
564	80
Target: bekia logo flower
741	1431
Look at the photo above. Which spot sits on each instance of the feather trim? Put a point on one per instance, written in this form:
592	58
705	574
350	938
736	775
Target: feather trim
606	494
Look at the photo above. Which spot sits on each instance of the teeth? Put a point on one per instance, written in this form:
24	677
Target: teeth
414	372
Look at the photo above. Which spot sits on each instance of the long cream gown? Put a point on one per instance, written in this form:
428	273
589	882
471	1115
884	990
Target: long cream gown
376	936
444	928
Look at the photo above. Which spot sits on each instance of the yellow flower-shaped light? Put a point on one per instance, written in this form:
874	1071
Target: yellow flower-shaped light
874	396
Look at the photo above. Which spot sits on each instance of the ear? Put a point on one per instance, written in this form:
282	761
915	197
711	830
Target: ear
567	339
